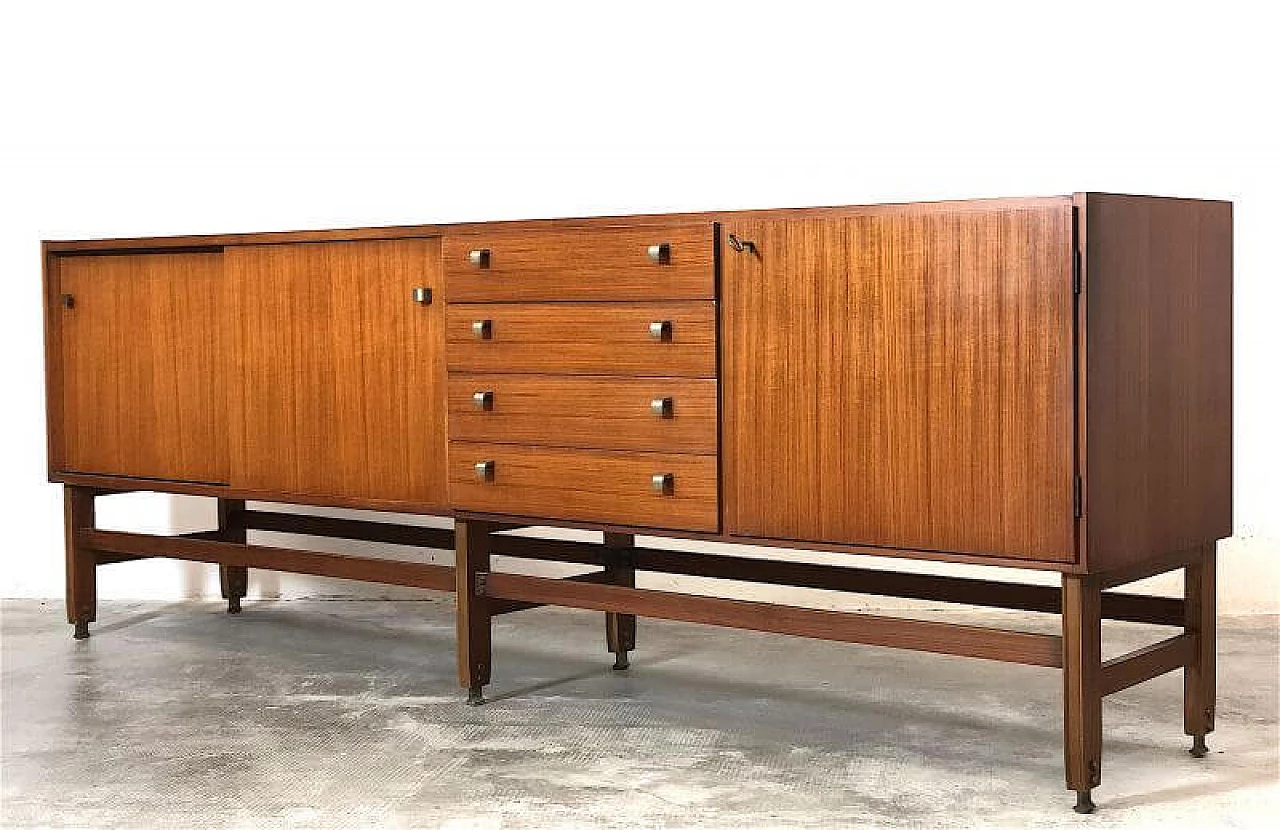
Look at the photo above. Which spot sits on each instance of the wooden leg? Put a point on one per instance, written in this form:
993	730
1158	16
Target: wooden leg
81	566
620	629
475	638
1200	678
1082	688
234	579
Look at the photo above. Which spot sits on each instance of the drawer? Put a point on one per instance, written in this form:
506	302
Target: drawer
585	485
658	262
641	339
657	414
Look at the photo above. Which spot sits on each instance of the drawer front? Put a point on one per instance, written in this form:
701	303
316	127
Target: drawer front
654	414
637	339
585	485
661	262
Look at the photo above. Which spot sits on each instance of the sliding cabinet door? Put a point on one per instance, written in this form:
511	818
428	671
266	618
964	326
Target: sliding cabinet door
342	371
139	361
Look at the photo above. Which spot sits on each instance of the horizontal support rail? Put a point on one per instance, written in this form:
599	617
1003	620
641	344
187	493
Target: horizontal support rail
955	589
364	569
364	531
1145	663
867	629
103	558
507	606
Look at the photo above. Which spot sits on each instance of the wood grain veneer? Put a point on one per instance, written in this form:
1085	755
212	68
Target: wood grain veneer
902	379
600	412
604	264
584	339
590	485
143	364
342	379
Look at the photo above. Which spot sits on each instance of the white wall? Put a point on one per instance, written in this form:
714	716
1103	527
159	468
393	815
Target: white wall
121	119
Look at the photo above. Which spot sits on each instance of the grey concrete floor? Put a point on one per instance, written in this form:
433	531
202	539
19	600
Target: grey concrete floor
346	714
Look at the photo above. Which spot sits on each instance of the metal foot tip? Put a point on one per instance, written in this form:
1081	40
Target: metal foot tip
1084	804
475	696
1198	747
233	606
620	662
82	631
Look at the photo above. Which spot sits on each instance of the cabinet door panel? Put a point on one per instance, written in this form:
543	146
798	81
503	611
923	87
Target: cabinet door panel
343	373
902	379
142	366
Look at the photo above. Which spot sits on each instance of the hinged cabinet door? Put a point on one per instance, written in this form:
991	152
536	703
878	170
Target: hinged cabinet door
902	379
342	392
142	365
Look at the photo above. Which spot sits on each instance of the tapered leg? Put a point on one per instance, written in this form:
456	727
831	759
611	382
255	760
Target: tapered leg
1082	689
620	629
81	566
475	640
234	579
1200	678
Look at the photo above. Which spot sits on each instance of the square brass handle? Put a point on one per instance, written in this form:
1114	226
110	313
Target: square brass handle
660	253
660	329
483	400
479	257
484	471
663	483
422	295
482	329
661	407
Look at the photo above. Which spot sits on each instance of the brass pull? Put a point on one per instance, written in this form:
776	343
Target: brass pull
483	400
422	295
482	329
661	407
741	245
68	300
484	471
660	329
479	257
660	253
663	483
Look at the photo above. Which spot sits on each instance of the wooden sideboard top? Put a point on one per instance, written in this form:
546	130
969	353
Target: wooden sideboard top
402	231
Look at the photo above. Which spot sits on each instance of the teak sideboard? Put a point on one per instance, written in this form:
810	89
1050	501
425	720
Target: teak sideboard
1035	382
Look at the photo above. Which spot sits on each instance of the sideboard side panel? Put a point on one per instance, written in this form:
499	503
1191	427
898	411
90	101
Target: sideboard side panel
1158	376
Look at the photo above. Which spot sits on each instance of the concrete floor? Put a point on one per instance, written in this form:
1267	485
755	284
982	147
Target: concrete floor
346	714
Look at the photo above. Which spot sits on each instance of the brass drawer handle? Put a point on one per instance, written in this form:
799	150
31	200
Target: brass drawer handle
483	400
479	257
661	407
484	471
660	253
660	329
663	483
482	329
421	295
